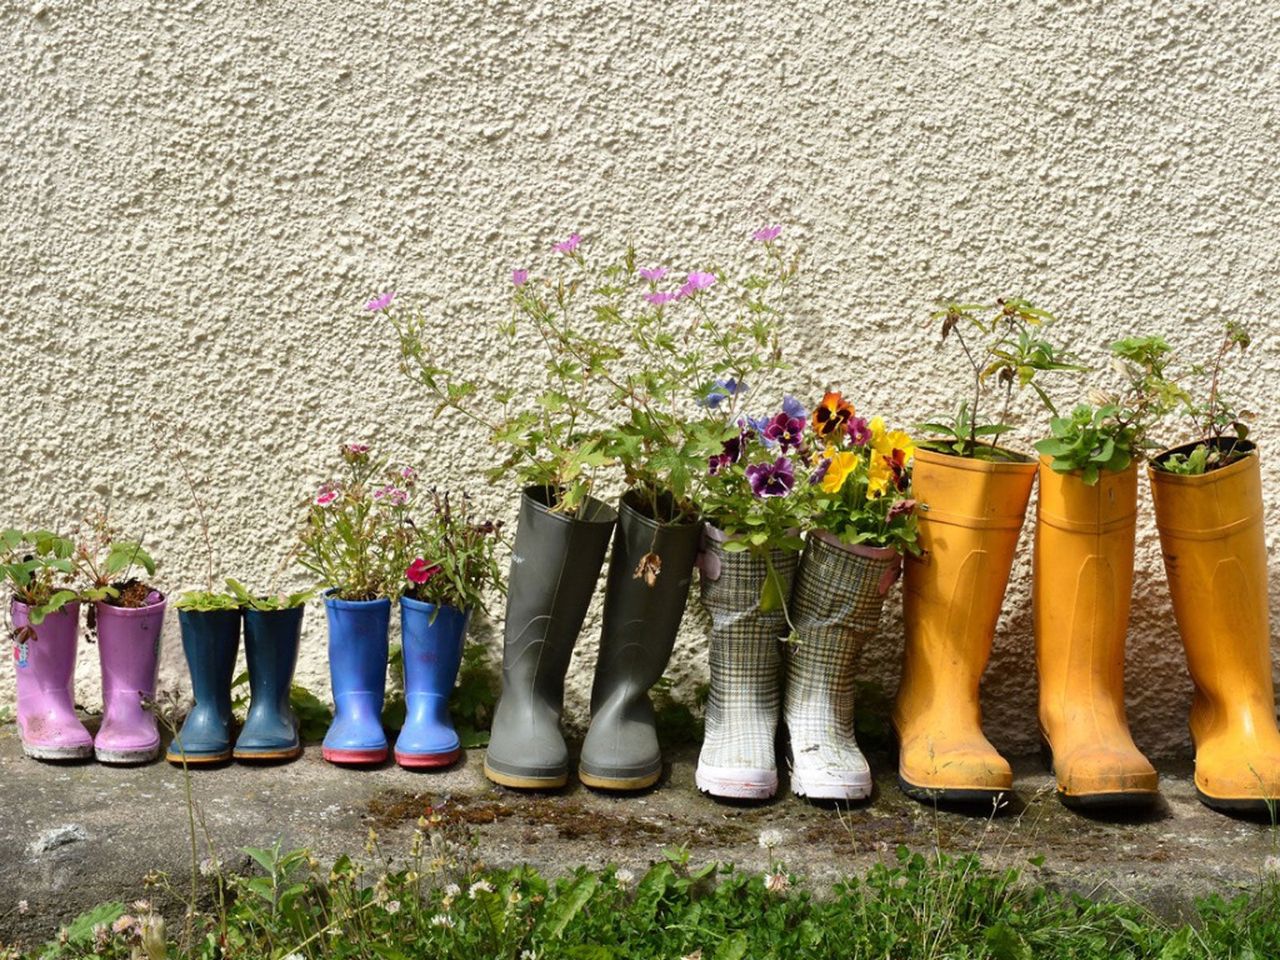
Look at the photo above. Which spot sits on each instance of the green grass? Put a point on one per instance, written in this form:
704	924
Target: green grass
445	905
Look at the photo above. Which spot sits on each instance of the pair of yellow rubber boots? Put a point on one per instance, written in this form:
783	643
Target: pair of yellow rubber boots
1215	558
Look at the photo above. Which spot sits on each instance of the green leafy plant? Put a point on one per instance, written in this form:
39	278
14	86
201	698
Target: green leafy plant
273	601
1115	429
1222	427
1003	344
446	555
106	563
39	568
352	532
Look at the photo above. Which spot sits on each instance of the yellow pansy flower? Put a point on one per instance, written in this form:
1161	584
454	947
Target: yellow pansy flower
843	463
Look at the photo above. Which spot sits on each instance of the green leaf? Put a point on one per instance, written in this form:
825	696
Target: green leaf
567	906
734	948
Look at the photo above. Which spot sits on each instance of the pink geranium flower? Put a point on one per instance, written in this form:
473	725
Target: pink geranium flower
380	303
519	278
568	246
695	282
767	234
419	571
660	297
653	274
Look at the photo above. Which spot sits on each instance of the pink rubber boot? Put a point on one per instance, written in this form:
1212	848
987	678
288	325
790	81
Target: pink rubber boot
129	651
46	667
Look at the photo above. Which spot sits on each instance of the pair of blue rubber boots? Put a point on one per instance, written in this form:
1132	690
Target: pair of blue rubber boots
211	640
432	648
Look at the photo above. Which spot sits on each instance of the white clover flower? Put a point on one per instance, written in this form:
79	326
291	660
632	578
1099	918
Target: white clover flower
777	882
480	886
23	906
770	838
624	877
393	906
442	920
452	890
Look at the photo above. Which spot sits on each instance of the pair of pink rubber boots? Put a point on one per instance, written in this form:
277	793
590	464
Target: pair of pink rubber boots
45	658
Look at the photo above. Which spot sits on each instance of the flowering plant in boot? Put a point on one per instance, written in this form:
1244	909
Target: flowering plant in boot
1114	428
448	556
554	438
682	348
107	564
1001	342
40	572
860	480
1222	427
352	531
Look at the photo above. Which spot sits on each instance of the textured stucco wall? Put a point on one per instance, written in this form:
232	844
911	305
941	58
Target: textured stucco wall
196	196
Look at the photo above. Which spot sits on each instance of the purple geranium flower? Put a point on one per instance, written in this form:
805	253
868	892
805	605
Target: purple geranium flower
567	246
771	479
697	281
653	274
859	431
767	234
721	391
519	278
794	408
380	303
661	298
786	431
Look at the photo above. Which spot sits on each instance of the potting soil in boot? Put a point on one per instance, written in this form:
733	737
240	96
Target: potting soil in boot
835	608
737	760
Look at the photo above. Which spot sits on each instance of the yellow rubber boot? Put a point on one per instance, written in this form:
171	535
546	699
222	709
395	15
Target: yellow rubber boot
1082	587
951	601
1216	560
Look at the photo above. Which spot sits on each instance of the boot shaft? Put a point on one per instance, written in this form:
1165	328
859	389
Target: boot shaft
1081	591
271	642
48	661
954	591
358	644
129	648
641	620
555	566
433	638
211	640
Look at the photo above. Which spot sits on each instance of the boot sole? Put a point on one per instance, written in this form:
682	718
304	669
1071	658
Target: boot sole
427	761
37	752
197	759
354	758
964	796
126	757
597	782
291	753
1098	800
830	790
525	783
737	784
1246	805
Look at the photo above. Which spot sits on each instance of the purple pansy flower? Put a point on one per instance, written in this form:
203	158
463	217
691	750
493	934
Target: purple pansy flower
730	453
380	303
794	408
788	432
519	278
859	431
820	472
653	274
767	234
567	246
771	479
660	298
722	390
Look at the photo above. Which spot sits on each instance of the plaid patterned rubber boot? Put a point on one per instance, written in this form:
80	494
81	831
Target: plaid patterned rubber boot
737	759
835	607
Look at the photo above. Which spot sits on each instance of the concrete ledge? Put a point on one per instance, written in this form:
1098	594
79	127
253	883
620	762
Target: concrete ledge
75	836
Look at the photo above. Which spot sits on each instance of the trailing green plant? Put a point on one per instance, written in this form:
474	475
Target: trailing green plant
38	567
448	557
1114	429
1221	426
353	528
1004	344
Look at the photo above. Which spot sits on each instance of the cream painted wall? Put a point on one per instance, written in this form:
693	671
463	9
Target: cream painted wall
197	196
